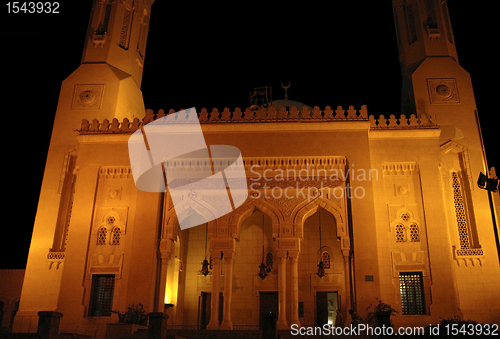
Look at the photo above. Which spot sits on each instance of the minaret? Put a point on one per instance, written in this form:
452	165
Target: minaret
434	84
105	85
433	81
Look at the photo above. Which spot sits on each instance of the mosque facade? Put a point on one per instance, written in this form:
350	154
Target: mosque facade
342	210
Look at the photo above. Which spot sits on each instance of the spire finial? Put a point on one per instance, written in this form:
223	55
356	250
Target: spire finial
286	88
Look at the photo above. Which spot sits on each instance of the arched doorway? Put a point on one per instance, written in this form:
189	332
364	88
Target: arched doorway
323	295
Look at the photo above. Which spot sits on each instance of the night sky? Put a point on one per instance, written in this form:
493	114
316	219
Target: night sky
211	55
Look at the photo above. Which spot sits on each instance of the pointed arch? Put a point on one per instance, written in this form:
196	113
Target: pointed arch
199	206
243	212
307	209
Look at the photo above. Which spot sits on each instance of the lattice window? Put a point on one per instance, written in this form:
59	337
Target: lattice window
70	210
462	222
101	236
101	295
116	233
411	287
400	233
325	258
458	200
269	260
414	235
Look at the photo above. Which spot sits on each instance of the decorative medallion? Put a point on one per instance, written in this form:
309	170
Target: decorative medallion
87	96
443	91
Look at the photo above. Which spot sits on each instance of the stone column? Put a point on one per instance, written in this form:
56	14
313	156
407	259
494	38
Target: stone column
48	324
227	323
166	246
282	323
347	274
293	256
214	307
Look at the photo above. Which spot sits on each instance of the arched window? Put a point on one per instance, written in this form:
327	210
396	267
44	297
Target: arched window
101	235
400	233
325	258
115	235
269	260
406	228
414	236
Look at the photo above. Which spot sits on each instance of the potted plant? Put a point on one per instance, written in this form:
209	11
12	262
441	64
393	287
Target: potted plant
129	322
381	314
134	314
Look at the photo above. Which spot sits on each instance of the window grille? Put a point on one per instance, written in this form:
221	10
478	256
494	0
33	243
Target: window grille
458	200
462	222
325	258
101	236
400	233
116	235
101	295
269	260
414	235
411	287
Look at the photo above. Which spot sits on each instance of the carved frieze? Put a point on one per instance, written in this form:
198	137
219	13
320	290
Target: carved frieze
105	264
409	262
288	244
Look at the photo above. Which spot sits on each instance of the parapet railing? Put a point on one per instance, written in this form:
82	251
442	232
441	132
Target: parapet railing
262	116
403	122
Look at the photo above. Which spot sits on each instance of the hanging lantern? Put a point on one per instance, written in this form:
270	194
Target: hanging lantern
205	264
204	267
263	272
321	266
321	269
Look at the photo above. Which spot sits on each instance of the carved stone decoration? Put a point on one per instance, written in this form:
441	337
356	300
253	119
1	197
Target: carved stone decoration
55	259
87	96
105	216
286	205
399	168
409	262
222	244
396	211
401	190
475	257
115	193
443	91
105	264
462	154
116	172
288	244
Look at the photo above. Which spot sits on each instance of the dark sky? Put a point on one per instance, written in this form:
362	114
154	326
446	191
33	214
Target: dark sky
212	56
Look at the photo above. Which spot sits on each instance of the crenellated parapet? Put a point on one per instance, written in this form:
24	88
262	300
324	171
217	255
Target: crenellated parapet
261	116
403	122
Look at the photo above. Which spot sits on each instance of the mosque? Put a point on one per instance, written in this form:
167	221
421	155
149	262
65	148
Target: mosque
342	209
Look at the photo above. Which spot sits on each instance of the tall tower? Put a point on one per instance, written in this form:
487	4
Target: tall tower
433	81
105	85
436	85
